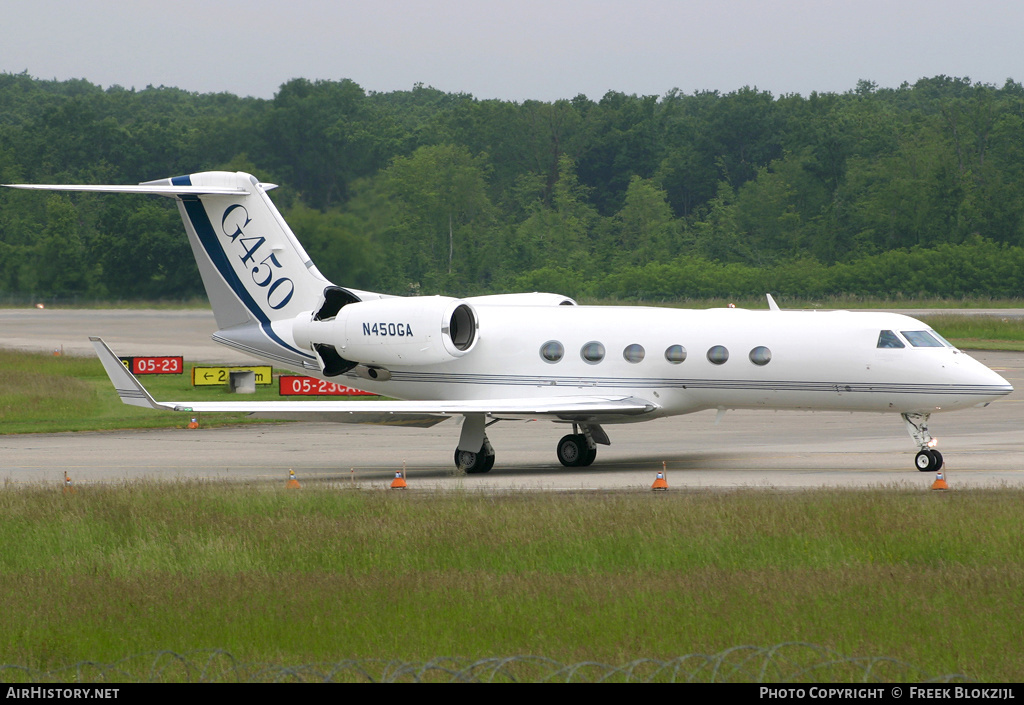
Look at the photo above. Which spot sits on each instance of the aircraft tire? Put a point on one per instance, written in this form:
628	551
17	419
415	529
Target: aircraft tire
572	450
473	463
589	458
928	460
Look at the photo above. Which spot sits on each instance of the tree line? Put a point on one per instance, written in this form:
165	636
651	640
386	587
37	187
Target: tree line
915	190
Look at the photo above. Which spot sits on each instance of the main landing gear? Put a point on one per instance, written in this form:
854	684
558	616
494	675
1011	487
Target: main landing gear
576	450
475	463
928	459
474	436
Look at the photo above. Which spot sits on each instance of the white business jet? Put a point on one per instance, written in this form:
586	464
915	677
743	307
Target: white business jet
535	355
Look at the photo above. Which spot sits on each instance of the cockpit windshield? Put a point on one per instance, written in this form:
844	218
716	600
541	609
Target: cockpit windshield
921	338
888	339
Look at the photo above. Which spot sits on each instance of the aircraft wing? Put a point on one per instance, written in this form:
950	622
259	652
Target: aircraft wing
132	392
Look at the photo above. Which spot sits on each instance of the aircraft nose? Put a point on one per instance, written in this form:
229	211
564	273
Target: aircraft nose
985	382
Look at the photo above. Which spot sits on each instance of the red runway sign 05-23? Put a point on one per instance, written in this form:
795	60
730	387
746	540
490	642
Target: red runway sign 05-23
171	365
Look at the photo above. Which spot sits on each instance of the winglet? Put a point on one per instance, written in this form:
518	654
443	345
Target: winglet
128	388
772	306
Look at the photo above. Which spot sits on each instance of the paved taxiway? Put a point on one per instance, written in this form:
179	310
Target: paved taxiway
982	447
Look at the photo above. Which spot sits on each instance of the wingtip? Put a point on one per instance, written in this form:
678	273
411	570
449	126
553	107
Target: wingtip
129	389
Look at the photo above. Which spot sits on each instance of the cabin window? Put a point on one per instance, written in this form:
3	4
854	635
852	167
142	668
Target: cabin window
592	352
634	353
552	351
718	355
760	355
675	354
888	339
921	339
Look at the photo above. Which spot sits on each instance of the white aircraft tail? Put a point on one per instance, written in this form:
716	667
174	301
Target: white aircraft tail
253	267
257	276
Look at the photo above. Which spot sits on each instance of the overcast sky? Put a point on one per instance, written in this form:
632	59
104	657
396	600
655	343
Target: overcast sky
514	49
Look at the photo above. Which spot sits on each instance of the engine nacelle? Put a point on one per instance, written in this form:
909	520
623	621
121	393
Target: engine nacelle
396	331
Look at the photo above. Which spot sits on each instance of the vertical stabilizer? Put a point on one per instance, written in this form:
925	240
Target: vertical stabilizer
253	267
257	276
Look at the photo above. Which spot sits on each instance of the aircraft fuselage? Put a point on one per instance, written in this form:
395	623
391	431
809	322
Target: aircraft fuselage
686	360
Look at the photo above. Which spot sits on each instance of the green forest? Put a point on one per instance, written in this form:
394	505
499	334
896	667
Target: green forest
914	191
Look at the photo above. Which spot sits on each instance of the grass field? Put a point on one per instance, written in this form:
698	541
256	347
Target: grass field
45	394
301	576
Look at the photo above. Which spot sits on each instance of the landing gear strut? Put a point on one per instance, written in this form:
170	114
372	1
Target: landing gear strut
928	459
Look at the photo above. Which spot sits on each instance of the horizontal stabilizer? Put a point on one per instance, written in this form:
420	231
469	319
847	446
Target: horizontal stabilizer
132	392
161	189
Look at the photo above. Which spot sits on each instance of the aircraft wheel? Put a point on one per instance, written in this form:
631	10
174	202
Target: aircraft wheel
473	463
572	450
928	460
589	458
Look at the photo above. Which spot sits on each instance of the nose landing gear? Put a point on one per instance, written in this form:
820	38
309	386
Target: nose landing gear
928	459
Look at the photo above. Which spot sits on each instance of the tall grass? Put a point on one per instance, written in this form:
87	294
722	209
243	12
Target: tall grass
320	575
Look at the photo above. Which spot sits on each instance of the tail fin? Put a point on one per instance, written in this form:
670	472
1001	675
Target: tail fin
253	268
257	276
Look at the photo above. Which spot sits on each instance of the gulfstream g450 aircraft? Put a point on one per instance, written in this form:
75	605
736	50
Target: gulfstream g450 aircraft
536	355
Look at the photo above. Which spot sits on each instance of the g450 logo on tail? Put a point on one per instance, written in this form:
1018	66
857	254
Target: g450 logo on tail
279	289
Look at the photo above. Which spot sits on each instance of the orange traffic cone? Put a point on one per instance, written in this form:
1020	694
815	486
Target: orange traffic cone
940	482
68	487
193	423
292	483
399	482
659	482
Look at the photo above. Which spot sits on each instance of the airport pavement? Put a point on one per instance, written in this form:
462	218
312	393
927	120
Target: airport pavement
783	450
